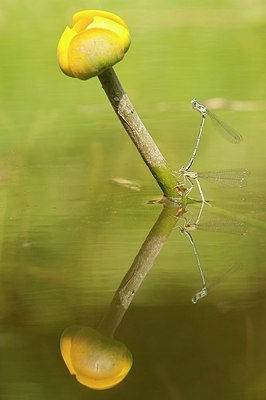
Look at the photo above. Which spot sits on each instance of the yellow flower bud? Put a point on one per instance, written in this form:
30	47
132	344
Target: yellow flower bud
96	41
98	361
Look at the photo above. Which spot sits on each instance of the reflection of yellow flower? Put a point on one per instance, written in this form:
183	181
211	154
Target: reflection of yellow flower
97	361
96	41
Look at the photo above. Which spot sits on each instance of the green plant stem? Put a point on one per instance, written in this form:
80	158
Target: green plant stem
139	134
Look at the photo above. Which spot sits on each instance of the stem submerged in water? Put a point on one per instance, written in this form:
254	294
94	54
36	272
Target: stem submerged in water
139	134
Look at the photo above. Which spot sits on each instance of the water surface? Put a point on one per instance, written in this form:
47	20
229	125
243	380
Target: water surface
69	233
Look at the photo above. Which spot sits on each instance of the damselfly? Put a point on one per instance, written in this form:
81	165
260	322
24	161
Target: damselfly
205	290
230	133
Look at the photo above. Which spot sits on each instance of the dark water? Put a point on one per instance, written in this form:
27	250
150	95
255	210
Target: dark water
70	232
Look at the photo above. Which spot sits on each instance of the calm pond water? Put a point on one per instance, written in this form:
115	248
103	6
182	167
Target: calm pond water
70	230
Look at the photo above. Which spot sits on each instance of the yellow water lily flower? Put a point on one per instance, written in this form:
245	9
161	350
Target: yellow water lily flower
96	41
98	361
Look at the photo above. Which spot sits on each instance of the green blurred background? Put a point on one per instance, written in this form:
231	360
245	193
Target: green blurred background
68	234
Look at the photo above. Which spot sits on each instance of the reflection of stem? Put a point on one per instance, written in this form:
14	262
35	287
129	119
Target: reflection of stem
139	269
139	134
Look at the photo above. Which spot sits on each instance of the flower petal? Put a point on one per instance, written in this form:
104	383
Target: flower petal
90	14
101	384
93	51
62	50
66	345
120	30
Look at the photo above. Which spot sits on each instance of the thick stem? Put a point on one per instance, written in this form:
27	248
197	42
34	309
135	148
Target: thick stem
138	133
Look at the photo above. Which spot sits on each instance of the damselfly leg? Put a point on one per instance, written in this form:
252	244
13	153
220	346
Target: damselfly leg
189	177
229	177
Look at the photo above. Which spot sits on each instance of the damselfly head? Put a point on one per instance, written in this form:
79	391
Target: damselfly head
199	107
199	295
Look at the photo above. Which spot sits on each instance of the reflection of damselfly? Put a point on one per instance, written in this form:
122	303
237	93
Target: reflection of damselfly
203	291
186	230
230	177
230	133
